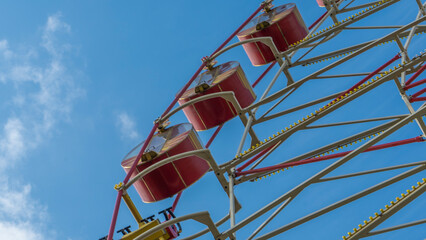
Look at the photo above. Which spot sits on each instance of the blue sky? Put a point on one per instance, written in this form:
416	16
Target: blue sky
82	81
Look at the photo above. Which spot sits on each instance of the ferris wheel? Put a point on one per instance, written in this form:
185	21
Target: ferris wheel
293	155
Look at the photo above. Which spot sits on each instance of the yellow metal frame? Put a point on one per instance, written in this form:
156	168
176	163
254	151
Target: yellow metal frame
133	209
143	227
160	235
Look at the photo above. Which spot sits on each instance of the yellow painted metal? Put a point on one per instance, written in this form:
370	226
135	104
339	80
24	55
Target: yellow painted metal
387	208
133	209
160	235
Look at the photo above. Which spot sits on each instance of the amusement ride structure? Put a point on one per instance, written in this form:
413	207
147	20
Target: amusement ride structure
172	157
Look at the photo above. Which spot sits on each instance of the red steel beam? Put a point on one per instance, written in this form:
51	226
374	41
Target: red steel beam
415	84
176	201
151	134
214	135
397	56
254	159
419	99
331	156
316	21
238	30
319	19
254	85
418	93
263	74
145	145
412	78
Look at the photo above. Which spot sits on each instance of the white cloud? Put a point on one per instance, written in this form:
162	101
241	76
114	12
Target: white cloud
42	92
11	143
21	217
53	26
4	49
3	45
127	126
45	89
19	231
12	200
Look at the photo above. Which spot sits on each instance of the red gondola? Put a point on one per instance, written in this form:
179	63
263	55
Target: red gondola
215	111
283	23
320	3
173	177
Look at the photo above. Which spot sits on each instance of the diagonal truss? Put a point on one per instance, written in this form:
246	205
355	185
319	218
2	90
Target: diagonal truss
231	173
396	74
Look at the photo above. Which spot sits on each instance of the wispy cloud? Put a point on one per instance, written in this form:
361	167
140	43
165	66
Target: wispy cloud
41	92
21	230
127	126
4	49
12	142
44	89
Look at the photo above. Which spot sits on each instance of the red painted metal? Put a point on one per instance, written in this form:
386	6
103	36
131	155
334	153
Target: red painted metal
173	177
397	56
215	111
213	136
142	150
331	156
317	21
176	201
419	99
238	30
415	84
253	85
171	231
286	27
320	3
263	74
115	214
183	89
418	93
254	159
126	179
412	78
